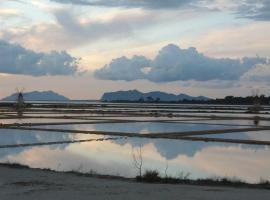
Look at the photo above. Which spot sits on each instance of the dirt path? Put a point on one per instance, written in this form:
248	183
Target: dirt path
29	184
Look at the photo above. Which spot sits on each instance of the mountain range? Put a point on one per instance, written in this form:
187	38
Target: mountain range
130	95
135	95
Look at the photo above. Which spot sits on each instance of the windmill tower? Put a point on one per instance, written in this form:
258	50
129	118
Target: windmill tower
20	105
256	103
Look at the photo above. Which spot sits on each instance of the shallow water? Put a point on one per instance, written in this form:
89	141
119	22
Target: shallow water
141	127
201	159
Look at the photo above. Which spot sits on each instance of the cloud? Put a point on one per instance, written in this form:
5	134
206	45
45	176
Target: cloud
68	31
124	69
148	4
6	13
174	64
255	9
15	59
252	9
260	73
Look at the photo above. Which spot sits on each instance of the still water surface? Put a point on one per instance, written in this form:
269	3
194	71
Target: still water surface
247	162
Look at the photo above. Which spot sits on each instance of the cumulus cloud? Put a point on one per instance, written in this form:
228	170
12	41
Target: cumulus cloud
15	59
173	64
149	4
260	73
124	69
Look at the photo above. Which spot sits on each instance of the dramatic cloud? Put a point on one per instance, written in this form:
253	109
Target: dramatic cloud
173	64
255	9
17	60
149	4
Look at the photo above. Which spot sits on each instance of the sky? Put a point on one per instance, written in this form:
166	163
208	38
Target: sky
83	48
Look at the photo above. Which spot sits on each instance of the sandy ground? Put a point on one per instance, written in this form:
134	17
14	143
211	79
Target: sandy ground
29	184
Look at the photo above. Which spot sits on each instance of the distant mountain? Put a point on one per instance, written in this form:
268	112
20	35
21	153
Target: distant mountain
38	96
135	95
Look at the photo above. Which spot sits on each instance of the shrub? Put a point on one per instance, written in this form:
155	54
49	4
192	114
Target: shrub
151	176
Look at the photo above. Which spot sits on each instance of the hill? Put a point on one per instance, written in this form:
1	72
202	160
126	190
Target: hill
38	96
135	95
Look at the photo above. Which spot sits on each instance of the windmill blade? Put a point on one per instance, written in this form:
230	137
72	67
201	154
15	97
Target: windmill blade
255	91
19	90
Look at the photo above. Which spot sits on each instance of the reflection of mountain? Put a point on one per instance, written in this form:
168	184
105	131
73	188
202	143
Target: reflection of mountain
169	149
10	136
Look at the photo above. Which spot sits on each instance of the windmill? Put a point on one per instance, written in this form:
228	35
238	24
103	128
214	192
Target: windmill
255	92
256	107
19	105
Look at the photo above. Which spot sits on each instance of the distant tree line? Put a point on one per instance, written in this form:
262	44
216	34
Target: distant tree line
249	100
262	99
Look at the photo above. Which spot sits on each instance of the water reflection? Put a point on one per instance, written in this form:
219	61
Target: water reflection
256	121
170	149
111	158
144	127
12	136
201	159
